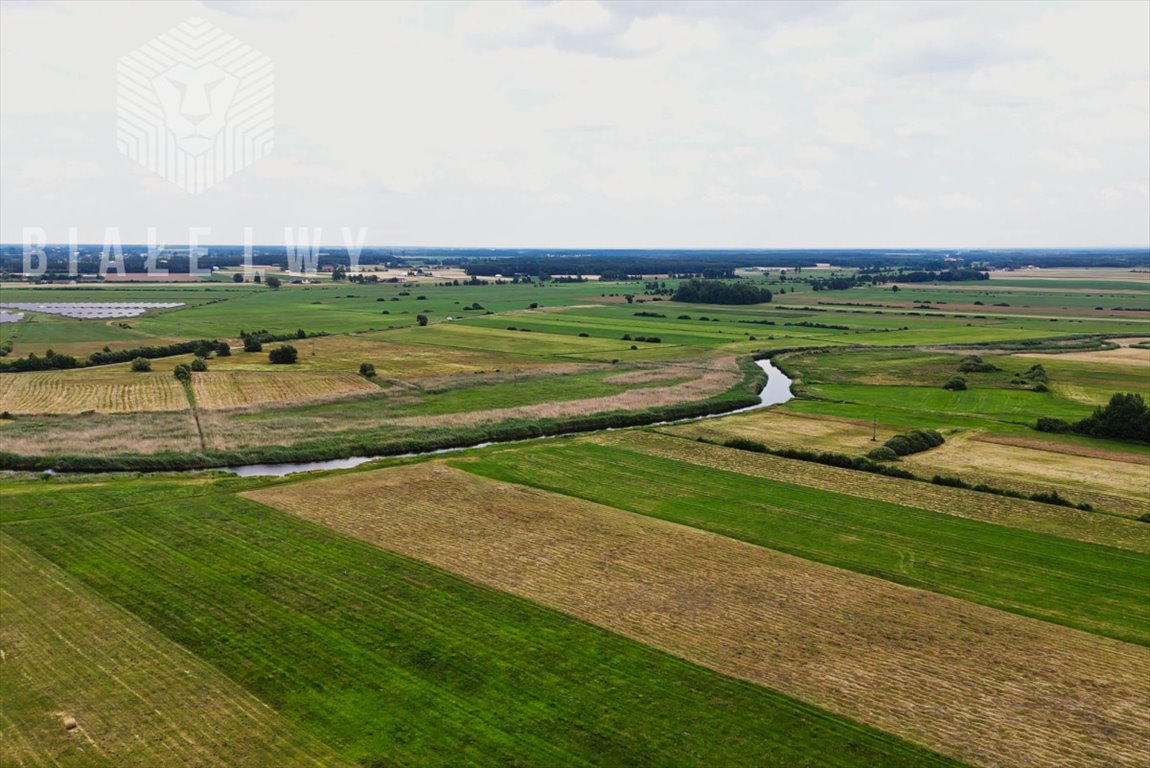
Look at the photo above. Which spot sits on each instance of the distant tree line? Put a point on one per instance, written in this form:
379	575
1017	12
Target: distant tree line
701	291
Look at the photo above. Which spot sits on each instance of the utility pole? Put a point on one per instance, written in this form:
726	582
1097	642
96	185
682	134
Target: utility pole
874	427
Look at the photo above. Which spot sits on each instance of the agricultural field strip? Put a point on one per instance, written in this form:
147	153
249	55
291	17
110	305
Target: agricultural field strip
973	682
1107	530
1081	585
137	698
1114	482
393	661
717	378
1117	487
75	392
237	389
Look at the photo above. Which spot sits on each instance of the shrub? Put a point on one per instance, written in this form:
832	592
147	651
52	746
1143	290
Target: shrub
272	281
238	277
955	384
743	444
626	337
183	372
1036	373
223	349
141	365
199	365
1052	425
252	344
915	442
975	364
367	370
584	335
952	482
882	453
1143	518
285	355
901	445
421	319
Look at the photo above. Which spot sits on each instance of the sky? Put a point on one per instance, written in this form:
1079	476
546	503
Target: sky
612	125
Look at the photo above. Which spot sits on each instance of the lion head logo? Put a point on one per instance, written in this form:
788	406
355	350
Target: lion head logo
195	105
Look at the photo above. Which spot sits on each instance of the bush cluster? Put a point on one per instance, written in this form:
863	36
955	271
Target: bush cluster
915	442
1125	417
975	364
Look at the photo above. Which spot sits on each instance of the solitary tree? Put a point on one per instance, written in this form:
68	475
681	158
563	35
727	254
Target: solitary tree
421	319
199	365
284	355
183	372
272	281
238	277
367	370
141	365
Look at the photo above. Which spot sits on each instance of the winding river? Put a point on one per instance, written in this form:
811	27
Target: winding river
776	391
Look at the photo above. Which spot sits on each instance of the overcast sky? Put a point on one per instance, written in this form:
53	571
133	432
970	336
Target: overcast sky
600	125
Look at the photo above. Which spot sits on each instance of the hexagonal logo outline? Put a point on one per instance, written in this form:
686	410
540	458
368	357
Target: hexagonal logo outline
194	105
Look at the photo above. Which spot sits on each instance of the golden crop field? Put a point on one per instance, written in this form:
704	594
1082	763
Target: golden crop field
89	685
980	684
98	389
238	389
1017	513
1116	483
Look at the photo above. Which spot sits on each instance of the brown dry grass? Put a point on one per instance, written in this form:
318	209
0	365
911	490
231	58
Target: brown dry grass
236	389
982	685
778	429
667	373
103	391
1017	513
137	698
101	435
1124	355
1118	486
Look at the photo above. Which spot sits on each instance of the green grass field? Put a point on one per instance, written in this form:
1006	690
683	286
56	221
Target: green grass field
390	662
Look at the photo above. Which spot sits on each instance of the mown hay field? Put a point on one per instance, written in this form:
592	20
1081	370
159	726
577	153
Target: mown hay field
1114	484
393	662
1080	584
87	685
77	391
973	682
238	389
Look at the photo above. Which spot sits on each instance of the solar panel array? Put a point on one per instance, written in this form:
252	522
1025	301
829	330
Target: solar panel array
86	310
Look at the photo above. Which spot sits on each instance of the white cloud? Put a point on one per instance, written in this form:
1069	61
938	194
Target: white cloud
959	203
1065	160
617	124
